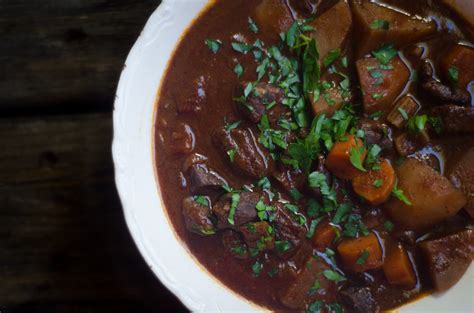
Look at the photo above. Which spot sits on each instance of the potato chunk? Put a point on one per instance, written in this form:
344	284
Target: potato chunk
460	58
332	28
273	16
381	87
461	174
464	9
433	198
448	258
379	25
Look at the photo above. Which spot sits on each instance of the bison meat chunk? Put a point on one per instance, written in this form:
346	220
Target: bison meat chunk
244	205
258	235
455	119
234	245
247	153
376	133
461	174
203	180
197	215
289	226
448	258
360	299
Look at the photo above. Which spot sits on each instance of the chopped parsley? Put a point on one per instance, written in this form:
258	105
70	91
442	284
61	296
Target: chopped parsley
314	288
363	257
233	206
373	156
231	153
282	246
201	200
295	194
398	193
312	227
315	307
241	47
331	57
313	208
231	126
453	74
333	276
385	54
341	213
239	70
273	272
257	268
213	45
334	307
417	123
239	250
403	113
380	24
378	183
253	26
388	225
355	156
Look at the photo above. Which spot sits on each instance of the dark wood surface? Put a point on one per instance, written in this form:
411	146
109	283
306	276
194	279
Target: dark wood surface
64	245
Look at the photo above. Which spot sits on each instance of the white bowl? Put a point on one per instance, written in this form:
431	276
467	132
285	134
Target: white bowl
136	179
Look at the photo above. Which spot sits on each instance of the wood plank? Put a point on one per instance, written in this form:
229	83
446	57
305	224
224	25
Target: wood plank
65	55
65	246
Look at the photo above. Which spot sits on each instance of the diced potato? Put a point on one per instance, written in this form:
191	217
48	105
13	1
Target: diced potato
464	9
273	16
398	268
461	174
448	258
433	198
407	105
333	28
402	29
361	254
329	104
462	59
382	89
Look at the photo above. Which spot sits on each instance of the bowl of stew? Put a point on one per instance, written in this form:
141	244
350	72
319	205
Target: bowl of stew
302	155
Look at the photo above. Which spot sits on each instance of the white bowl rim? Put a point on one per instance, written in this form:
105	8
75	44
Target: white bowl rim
133	154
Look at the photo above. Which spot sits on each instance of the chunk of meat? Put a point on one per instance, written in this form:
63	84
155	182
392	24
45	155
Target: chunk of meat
194	100
203	181
433	198
401	29
197	216
290	178
249	156
376	133
300	293
265	99
408	143
461	174
398	267
406	105
330	35
375	186
464	9
448	258
338	161
304	8
380	90
455	119
361	254
287	225
273	16
182	139
460	58
234	245
245	211
360	299
440	91
329	102
258	235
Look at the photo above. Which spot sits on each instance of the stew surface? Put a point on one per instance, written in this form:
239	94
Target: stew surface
317	155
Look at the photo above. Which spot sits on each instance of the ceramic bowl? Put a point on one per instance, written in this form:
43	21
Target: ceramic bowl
136	179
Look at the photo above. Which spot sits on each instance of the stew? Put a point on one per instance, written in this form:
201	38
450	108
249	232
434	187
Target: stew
318	155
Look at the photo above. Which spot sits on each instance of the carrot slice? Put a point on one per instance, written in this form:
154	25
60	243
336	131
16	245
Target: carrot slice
361	254
375	186
324	235
398	268
339	162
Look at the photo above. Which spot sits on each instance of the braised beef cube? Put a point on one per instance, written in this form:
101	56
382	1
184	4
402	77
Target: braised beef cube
406	107
289	226
360	299
205	181
264	99
258	235
455	119
273	16
182	139
460	58
304	8
192	102
331	99
393	27
197	215
245	211
407	144
330	35
376	133
440	91
304	289
461	173
241	147
448	258
381	86
234	245
193	159
289	178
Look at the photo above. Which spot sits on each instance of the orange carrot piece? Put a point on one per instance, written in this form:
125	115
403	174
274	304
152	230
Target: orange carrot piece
361	254
338	161
375	186
398	268
324	235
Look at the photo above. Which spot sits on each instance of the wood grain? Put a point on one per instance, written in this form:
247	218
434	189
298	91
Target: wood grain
64	244
65	56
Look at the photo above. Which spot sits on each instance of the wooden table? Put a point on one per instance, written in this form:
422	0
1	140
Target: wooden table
64	245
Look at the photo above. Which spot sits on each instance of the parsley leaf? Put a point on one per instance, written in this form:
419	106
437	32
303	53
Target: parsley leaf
311	68
380	24
239	70
231	126
332	56
241	47
333	276
417	123
453	74
253	26
213	44
388	226
341	212
378	183
398	193
257	268
385	54
282	246
233	206
355	157
201	200
363	257
315	307
231	153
